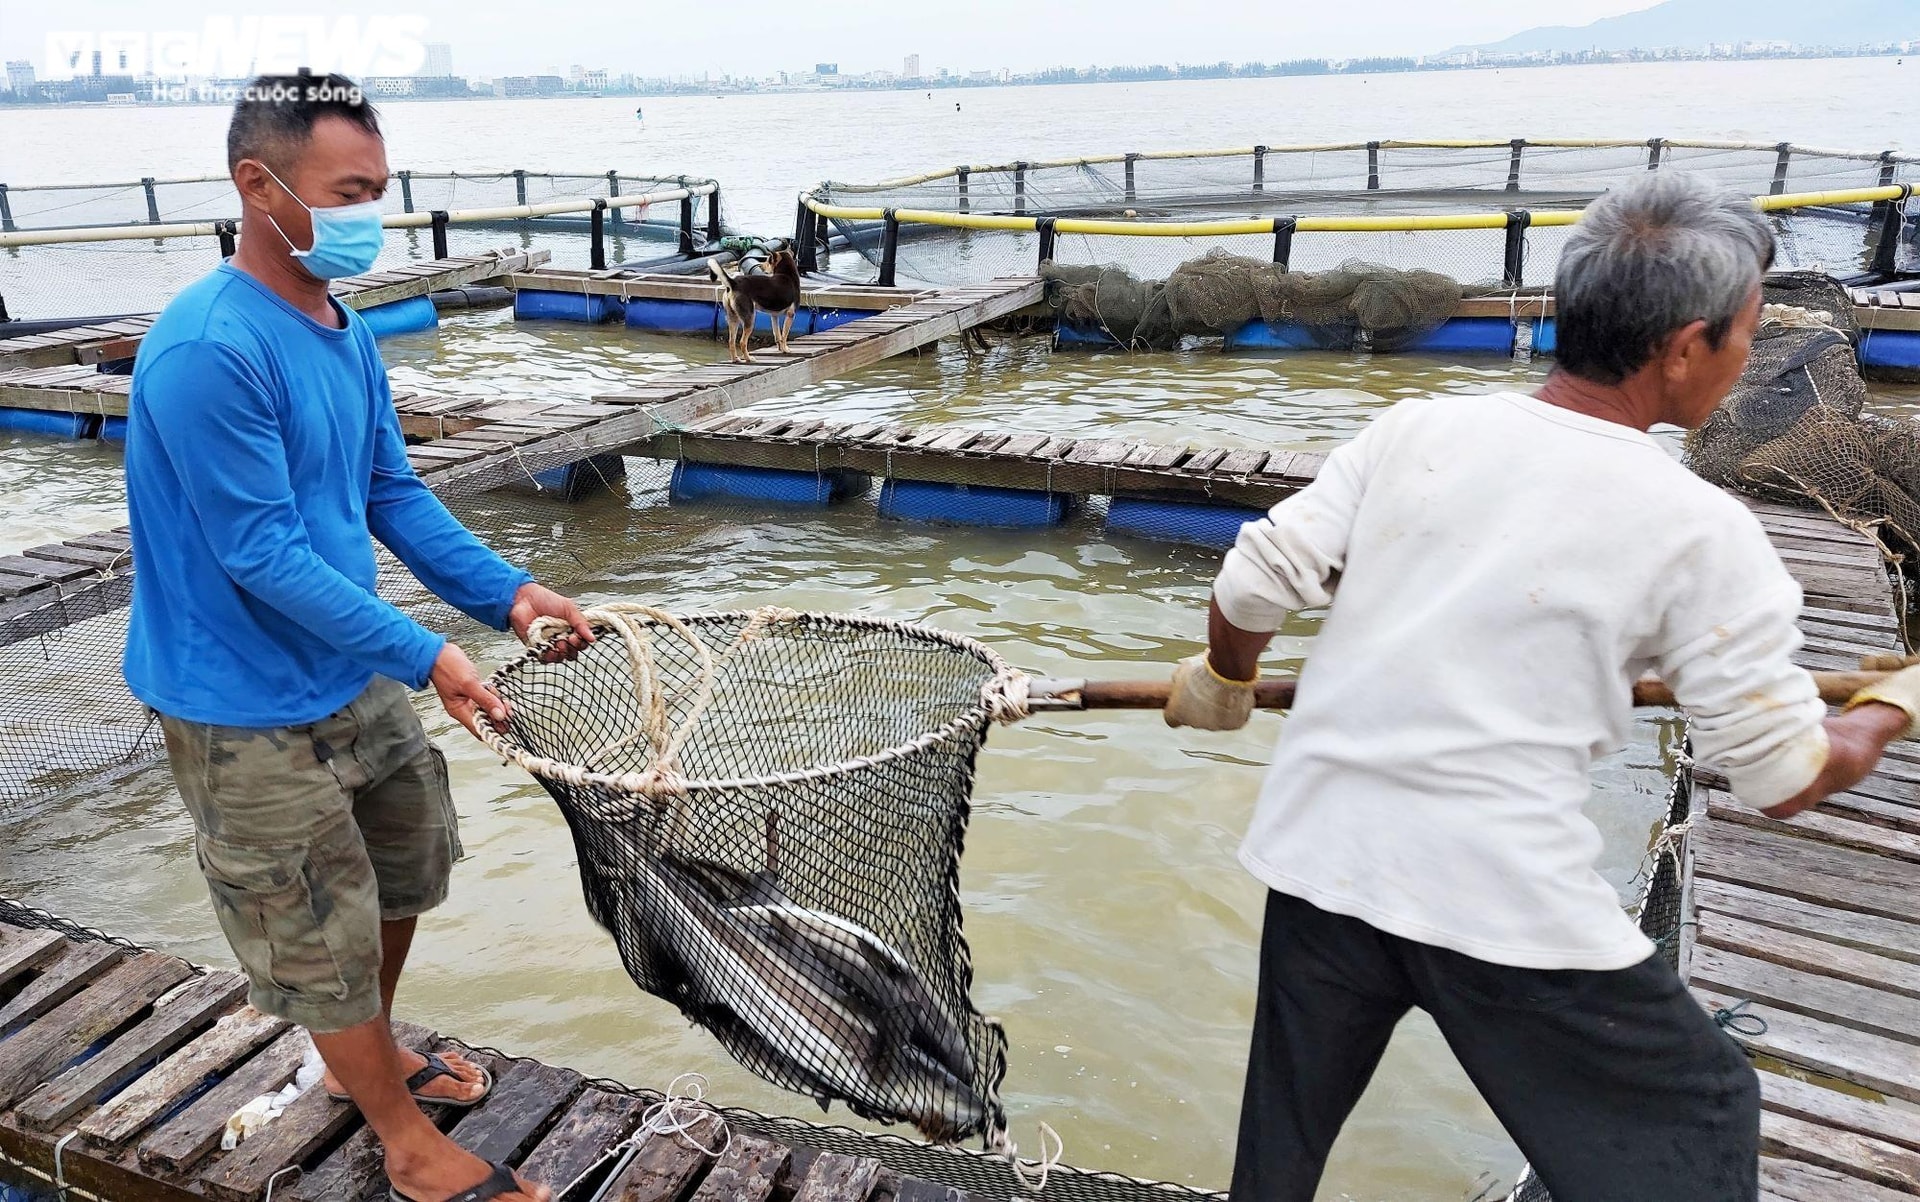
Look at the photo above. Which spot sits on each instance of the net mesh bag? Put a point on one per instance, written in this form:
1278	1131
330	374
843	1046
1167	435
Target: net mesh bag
1131	311
1357	305
1219	292
1795	426
1366	305
769	810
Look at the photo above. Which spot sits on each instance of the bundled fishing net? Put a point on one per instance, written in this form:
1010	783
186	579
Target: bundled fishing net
1795	428
1365	306
769	810
1132	311
1219	292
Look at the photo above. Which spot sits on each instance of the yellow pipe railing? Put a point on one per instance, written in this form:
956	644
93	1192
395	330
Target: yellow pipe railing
1328	147
394	221
1265	225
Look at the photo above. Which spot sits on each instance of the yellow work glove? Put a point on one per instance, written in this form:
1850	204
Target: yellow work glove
1204	699
1900	690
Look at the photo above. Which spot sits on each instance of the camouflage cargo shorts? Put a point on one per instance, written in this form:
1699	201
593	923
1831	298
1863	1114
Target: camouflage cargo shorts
309	836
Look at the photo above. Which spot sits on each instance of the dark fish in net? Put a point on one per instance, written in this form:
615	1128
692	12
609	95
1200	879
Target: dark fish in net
816	1003
769	811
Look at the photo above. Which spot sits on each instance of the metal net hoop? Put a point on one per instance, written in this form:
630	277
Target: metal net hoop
660	738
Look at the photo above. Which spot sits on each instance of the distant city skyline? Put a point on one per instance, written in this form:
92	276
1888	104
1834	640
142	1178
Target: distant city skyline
398	55
493	38
437	79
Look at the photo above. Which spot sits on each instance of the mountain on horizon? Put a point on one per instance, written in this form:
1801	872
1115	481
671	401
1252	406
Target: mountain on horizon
1695	23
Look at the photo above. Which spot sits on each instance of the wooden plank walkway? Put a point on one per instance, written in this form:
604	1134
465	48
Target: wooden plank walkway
474	445
1876	310
480	461
1814	924
129	1063
962	455
93	344
628	284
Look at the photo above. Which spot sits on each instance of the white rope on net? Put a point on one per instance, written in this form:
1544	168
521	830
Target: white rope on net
1004	698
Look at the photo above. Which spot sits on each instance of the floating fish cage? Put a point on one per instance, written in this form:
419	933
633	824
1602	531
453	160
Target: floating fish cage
78	250
1489	217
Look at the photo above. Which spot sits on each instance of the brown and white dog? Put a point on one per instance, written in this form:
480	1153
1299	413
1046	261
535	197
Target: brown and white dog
775	292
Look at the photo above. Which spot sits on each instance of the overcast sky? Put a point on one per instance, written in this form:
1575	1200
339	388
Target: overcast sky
660	37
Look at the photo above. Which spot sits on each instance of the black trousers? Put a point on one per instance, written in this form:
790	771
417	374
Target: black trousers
1616	1085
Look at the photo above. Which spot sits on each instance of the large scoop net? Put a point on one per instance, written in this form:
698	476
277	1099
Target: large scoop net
769	810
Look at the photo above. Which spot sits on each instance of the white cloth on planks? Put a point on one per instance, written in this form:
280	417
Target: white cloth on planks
1499	571
242	1123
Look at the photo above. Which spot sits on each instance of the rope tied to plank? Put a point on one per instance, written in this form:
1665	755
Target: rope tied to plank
1736	1019
675	1114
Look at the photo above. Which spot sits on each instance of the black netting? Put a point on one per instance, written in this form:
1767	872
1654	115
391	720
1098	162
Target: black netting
95	727
1794	427
86	279
772	836
1389	179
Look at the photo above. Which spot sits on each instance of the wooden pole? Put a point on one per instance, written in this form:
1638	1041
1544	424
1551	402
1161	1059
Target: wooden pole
1276	692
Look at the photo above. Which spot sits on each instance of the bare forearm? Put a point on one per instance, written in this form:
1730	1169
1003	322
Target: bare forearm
1234	653
1855	741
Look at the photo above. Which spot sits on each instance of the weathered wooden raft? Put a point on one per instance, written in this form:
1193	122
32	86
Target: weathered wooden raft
1815	923
1873	309
474	445
503	452
87	346
131	1061
630	285
1000	459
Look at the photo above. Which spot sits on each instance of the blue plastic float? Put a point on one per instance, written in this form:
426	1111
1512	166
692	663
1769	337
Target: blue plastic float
1458	336
1896	350
778	486
704	317
972	505
532	304
402	317
1190	522
54	425
580	479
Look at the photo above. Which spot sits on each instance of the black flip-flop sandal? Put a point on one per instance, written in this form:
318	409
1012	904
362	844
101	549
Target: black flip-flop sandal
500	1181
434	1069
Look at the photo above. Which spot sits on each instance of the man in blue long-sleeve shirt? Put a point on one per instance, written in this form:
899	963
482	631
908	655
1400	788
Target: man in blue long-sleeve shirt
263	458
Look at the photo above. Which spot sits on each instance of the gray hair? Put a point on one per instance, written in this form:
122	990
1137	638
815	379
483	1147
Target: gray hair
1647	259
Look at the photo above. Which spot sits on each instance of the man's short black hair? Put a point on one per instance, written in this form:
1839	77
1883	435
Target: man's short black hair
274	119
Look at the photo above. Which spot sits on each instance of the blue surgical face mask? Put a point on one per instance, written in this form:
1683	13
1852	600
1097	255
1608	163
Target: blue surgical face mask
346	238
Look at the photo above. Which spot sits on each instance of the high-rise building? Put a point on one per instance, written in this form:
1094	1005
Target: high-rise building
913	67
20	76
439	62
826	68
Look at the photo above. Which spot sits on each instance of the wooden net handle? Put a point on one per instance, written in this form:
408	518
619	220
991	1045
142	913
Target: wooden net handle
1276	692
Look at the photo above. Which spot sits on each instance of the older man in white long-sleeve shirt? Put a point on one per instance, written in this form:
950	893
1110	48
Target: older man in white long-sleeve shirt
1498	571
